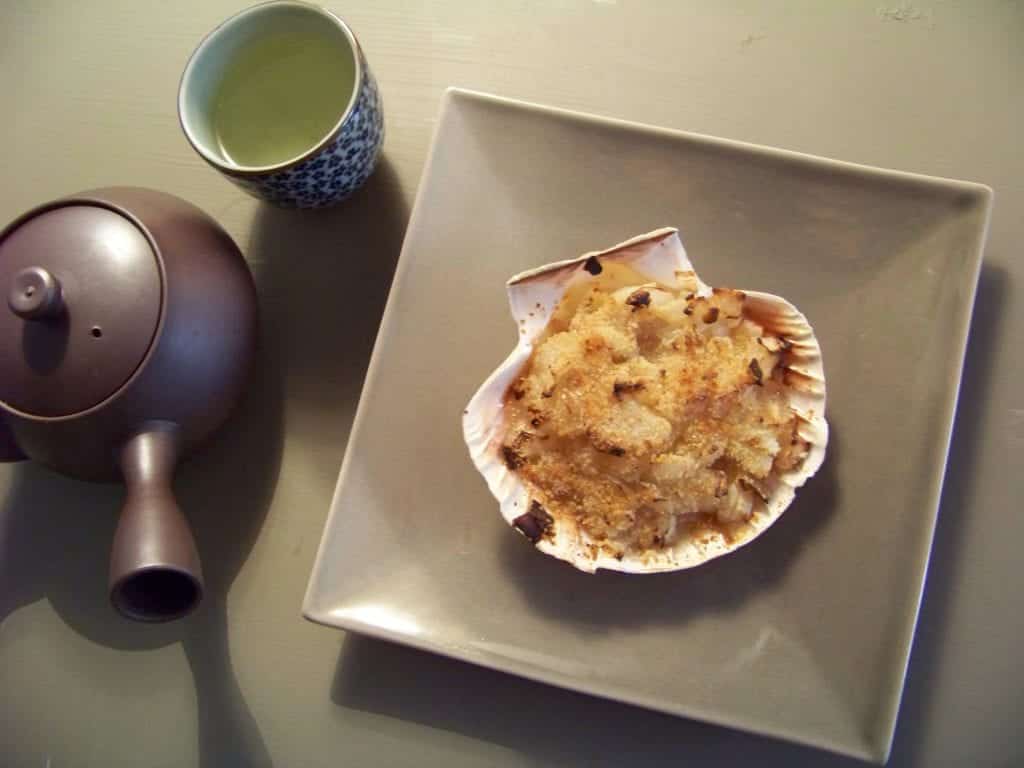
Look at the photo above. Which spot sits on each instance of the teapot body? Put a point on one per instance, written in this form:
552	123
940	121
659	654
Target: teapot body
199	357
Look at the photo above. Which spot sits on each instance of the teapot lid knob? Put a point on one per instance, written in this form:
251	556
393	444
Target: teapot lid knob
35	294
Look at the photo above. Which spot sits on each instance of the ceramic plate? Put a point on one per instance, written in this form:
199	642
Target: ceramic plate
804	634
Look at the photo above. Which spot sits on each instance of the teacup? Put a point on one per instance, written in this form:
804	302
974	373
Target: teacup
279	99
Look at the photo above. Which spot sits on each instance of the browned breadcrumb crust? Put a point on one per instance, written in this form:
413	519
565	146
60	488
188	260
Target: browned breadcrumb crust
649	415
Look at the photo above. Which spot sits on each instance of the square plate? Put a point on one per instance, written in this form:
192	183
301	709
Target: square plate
804	634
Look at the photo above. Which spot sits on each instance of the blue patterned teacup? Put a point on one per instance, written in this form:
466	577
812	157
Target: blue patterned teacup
279	99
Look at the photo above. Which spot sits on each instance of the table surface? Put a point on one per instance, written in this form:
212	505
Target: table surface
90	93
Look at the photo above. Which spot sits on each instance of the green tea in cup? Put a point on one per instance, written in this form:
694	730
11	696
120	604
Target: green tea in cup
280	95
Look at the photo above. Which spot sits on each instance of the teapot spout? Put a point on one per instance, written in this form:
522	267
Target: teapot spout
9	450
154	566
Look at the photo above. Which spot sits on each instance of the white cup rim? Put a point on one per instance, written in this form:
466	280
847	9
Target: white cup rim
210	39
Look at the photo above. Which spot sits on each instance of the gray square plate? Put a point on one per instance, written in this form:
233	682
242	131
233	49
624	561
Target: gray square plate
805	633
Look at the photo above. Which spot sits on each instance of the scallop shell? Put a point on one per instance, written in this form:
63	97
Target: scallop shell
658	256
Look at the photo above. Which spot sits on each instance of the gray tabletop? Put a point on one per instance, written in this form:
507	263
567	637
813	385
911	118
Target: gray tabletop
90	99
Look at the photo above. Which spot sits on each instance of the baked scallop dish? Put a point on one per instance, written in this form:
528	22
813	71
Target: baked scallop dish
645	421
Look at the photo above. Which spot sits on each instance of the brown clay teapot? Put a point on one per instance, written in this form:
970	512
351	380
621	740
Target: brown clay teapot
127	329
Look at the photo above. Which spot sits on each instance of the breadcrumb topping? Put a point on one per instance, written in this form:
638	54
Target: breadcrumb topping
648	414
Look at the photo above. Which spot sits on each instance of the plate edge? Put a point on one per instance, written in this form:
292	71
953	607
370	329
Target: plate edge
767	150
884	743
401	267
614	692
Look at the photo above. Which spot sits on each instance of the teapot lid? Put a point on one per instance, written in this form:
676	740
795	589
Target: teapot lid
81	290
